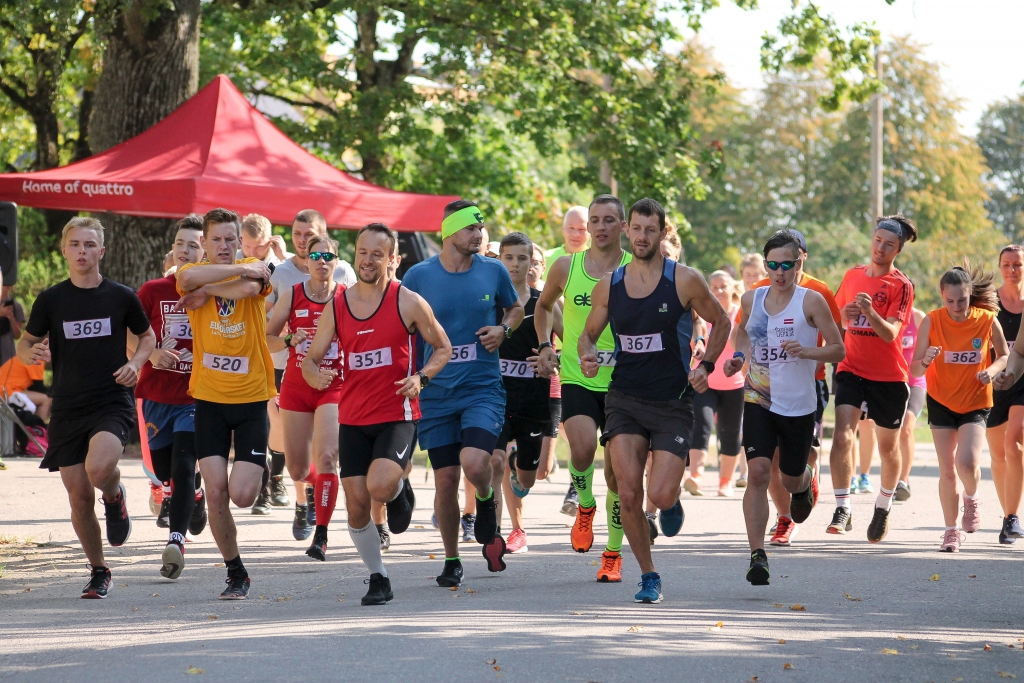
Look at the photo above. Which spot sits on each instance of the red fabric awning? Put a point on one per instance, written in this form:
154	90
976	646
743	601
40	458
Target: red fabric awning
217	150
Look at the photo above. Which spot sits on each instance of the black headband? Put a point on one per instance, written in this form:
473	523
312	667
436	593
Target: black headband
894	227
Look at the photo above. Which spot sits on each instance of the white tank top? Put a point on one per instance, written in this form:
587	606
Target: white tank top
776	382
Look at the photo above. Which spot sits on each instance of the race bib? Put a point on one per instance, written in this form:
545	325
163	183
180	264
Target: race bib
962	357
517	368
860	323
1010	344
179	329
765	355
606	359
464	353
908	342
367	360
236	365
84	329
332	353
641	343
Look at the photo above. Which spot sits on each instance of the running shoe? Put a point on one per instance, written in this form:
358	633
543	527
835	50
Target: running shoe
741	482
1003	538
451	576
776	525
119	524
262	504
238	586
842	521
902	492
468	521
310	506
650	589
801	504
785	530
379	592
864	484
757	572
385	538
854	485
570	502
951	541
1012	526
98	584
197	524
611	567
879	525
493	551
517	488
301	528
174	560
672	519
692	486
582	534
400	509
433	521
3	465
725	490
318	548
486	525
156	497
971	520
517	542
279	492
163	518
652	527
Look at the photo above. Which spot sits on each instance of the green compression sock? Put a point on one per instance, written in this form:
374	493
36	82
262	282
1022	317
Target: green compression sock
583	482
490	492
611	504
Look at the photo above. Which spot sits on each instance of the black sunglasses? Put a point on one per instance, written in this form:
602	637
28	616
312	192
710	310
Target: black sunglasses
328	256
775	265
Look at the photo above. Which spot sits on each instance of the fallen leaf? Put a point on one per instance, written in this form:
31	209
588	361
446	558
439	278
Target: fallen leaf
497	667
418	526
785	576
900	638
219	564
851	598
952	655
492	662
889	651
798	608
778	604
594	563
787	665
935	577
576	614
28	590
973	576
213	617
156	595
914	647
263	597
135	609
1004	674
717	627
454	588
194	670
753	679
432	556
1011	646
987	647
719	624
470	590
635	629
782	641
957	680
340	600
124	585
284	599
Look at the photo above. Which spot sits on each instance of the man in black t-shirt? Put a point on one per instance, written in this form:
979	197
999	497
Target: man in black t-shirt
81	325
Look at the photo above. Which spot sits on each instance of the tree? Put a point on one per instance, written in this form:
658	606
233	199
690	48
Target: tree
1001	138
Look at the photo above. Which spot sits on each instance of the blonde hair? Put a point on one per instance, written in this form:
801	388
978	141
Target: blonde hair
256	226
82	223
731	285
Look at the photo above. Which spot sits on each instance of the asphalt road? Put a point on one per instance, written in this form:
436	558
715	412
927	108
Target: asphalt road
839	609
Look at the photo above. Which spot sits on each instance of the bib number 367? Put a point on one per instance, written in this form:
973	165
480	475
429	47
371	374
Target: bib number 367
236	365
84	329
641	343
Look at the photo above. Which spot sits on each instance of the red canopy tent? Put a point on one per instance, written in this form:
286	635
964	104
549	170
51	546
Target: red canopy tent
217	150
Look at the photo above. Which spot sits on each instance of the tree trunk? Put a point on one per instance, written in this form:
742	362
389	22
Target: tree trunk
150	66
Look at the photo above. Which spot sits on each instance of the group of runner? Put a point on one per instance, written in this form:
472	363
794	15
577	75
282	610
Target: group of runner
299	361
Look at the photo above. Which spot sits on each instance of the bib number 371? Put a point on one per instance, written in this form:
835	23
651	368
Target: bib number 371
84	329
236	365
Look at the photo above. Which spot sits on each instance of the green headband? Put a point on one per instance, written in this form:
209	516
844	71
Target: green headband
463	218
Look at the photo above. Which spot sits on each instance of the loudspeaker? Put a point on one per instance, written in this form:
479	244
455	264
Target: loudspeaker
9	242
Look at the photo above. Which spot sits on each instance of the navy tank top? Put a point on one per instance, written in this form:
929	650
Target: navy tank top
652	339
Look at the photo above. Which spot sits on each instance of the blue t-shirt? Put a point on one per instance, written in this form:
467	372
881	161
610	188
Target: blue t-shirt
463	303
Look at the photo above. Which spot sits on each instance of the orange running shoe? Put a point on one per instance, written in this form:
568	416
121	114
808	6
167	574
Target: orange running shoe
156	498
611	567
583	529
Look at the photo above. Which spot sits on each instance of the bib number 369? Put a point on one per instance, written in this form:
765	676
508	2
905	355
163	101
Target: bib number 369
84	329
236	365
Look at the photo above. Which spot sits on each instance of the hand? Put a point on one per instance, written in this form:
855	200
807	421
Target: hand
324	379
698	350
409	387
277	245
127	375
984	377
863	302
699	378
732	366
7	311
491	336
40	353
851	311
299	336
533	362
1004	381
589	365
547	362
197	298
794	349
164	359
257	270
930	355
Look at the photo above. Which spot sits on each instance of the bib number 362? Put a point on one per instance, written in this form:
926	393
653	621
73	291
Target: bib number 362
236	365
962	357
641	343
463	354
84	329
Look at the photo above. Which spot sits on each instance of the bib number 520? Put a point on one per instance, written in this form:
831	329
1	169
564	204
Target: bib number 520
236	365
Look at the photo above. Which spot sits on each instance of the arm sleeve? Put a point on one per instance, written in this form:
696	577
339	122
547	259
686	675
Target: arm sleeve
135	316
506	295
39	318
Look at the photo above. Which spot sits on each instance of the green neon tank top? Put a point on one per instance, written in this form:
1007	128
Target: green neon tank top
578	289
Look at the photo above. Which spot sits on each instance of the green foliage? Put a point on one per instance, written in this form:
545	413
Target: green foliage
1001	138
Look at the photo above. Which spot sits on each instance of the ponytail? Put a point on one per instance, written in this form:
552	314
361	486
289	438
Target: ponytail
981	284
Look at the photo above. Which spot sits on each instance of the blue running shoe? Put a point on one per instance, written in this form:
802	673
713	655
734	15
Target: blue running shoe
433	521
855	485
650	589
864	484
517	488
672	519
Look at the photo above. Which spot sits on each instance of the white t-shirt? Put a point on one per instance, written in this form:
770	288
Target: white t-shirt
271	257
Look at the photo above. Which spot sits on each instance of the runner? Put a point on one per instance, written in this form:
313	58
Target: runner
583	398
168	412
752	271
649	407
548	461
954	348
780	330
1006	421
876	301
918	387
257	239
375	321
310	416
231	380
81	325
574	235
464	406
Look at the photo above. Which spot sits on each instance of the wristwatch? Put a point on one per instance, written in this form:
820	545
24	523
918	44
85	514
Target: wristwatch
424	379
708	365
288	341
508	330
544	345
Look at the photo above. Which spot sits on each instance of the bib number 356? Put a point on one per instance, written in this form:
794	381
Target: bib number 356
236	365
463	354
84	329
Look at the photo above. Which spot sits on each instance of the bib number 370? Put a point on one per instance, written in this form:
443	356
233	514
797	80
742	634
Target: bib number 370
84	329
236	365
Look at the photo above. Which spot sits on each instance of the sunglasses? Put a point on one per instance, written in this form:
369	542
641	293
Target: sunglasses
775	265
328	256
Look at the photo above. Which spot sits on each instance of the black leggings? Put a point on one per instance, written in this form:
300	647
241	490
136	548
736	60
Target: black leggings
729	406
176	465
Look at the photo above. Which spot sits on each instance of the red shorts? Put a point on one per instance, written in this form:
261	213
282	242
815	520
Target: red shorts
299	397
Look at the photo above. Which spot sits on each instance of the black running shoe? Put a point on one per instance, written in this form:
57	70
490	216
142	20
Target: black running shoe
98	584
238	587
486	525
163	518
672	519
400	509
468	521
652	526
902	492
570	502
262	504
1012	527
879	525
379	592
119	524
842	521
318	549
801	504
452	575
385	538
1004	539
494	552
197	523
279	492
301	528
757	573
173	559
310	506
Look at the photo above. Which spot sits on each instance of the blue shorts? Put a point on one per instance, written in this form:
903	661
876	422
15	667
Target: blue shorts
163	420
444	419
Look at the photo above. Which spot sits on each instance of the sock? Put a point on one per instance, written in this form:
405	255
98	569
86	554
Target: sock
235	566
884	499
276	463
787	516
966	497
367	543
398	490
903	482
326	494
457	558
843	498
951	528
583	482
177	538
311	477
490	493
611	505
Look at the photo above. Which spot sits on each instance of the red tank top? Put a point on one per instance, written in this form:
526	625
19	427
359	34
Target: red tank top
379	351
305	315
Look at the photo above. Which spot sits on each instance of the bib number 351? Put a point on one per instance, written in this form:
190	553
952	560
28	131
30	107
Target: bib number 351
236	365
84	329
367	360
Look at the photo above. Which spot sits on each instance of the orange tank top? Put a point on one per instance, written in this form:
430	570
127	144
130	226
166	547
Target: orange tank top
952	377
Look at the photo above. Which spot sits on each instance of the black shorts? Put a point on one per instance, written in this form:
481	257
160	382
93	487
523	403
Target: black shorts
764	431
886	401
665	424
1002	402
941	417
821	390
728	405
68	437
555	417
278	377
360	445
217	422
528	434
577	400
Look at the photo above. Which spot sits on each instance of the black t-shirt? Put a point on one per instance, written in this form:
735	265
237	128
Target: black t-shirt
525	392
88	334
